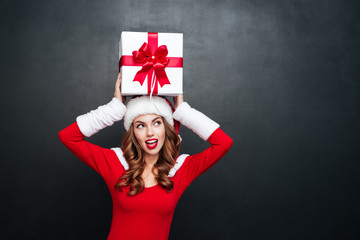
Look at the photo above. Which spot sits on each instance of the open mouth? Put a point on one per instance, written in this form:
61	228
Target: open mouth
152	143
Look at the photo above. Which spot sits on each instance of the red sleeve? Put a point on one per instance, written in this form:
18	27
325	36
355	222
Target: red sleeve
102	160
197	164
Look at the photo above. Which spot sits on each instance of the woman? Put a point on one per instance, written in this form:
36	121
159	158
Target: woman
146	177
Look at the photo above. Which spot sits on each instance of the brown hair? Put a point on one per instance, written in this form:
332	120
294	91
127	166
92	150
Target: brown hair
134	155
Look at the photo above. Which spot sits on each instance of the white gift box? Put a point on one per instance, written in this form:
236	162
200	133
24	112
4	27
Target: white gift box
129	65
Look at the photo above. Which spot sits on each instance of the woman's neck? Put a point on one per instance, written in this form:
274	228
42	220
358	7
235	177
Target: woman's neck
150	160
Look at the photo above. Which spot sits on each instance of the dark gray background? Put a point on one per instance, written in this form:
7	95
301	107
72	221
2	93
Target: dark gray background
280	77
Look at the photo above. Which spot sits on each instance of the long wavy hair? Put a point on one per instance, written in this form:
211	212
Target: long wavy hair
134	155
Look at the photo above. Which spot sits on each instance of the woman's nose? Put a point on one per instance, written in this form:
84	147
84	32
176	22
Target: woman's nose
149	131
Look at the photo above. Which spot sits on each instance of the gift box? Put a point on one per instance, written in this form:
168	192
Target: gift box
151	63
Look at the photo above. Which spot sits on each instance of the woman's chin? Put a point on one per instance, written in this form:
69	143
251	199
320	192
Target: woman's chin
152	152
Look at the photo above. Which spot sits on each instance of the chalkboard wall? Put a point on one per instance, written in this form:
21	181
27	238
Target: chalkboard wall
280	77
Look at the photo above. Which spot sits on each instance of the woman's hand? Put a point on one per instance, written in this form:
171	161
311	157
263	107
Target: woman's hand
178	100
117	93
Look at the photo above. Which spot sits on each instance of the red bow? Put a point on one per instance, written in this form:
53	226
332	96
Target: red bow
158	61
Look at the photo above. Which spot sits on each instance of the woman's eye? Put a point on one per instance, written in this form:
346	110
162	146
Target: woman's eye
158	123
138	126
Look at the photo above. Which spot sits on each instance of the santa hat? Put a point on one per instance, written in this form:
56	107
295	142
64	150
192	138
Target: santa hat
159	105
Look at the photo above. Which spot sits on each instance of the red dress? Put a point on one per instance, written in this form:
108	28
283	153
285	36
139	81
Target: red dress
148	214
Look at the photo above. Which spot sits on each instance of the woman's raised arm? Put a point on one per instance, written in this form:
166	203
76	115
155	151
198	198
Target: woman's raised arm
98	158
208	130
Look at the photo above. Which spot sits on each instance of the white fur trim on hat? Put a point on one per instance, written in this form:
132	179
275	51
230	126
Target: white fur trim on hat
144	105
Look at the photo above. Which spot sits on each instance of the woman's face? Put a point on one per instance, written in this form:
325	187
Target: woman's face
149	130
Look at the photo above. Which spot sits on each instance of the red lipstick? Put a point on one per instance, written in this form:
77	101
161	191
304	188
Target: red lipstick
151	145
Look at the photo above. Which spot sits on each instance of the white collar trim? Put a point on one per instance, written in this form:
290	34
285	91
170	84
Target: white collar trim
120	155
179	161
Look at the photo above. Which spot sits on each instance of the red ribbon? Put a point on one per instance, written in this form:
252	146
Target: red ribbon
151	58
